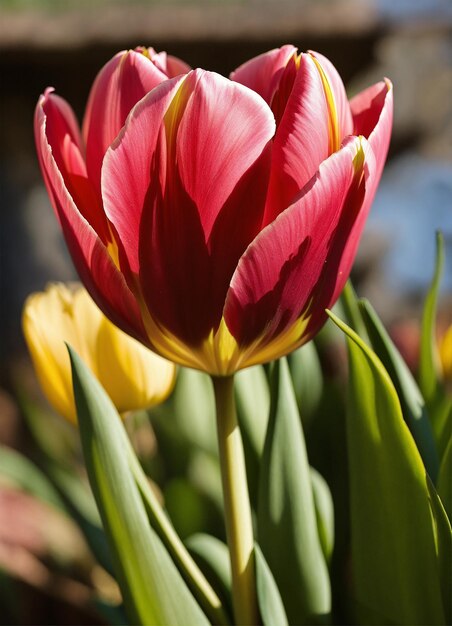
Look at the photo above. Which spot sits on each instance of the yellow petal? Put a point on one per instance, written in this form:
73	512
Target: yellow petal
132	375
47	324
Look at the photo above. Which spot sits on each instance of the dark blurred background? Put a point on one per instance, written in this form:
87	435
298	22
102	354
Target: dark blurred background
64	43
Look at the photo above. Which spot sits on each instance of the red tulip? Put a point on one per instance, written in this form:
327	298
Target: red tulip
224	217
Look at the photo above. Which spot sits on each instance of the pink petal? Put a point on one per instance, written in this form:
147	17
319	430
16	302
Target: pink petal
92	261
302	139
129	166
262	73
223	130
343	112
277	275
175	66
169	65
372	111
63	137
120	84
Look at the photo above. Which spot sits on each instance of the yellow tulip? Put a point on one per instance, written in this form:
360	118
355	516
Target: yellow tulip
133	376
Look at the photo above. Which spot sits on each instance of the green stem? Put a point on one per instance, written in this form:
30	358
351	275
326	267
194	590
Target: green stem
239	529
193	576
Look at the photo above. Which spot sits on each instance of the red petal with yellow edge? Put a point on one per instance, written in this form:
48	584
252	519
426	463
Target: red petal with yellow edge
262	74
302	139
63	137
120	84
92	261
276	276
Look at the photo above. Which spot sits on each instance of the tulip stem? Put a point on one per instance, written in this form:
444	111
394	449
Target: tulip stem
239	529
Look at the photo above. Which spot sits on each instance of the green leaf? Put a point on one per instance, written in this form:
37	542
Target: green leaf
270	604
443	538
439	405
286	520
81	506
324	509
411	400
152	588
252	397
445	479
193	407
212	556
20	471
395	566
349	302
307	379
429	358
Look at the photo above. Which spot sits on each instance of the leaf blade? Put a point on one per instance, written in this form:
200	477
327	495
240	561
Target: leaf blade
286	519
390	502
153	590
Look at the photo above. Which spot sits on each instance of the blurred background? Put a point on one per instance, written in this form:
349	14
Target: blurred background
63	44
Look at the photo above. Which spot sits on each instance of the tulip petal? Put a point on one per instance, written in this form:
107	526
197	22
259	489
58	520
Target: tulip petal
372	112
275	279
342	113
199	168
63	137
129	165
45	324
238	223
262	74
91	258
302	139
223	130
174	261
120	84
169	65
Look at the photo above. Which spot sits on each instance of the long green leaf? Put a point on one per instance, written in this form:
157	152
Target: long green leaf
270	604
429	359
307	378
439	404
252	397
443	539
80	504
411	400
286	520
445	479
349	302
160	522
152	588
395	565
324	509
212	556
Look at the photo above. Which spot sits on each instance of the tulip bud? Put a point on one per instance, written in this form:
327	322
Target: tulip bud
133	376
